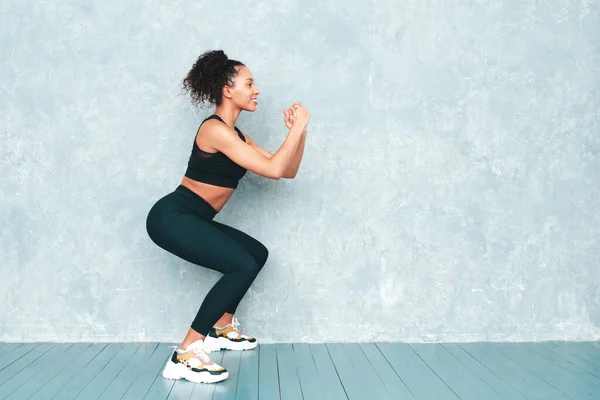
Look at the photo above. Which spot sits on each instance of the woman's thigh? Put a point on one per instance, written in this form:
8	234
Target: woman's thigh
200	242
252	246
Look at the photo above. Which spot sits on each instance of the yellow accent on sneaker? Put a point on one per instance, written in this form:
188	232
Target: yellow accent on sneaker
228	337
194	365
235	334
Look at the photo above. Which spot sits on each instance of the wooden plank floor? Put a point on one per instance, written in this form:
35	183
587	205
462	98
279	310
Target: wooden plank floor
372	371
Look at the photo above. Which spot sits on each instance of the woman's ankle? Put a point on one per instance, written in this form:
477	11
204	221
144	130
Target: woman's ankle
224	321
186	343
191	337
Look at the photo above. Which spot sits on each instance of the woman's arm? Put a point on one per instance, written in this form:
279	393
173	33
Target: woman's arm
294	165
224	139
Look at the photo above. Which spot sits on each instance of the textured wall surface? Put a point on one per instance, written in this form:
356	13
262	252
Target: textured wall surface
449	191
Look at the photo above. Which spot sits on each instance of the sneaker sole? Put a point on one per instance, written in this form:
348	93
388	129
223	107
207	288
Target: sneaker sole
212	344
180	371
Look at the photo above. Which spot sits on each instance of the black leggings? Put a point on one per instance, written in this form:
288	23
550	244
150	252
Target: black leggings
182	224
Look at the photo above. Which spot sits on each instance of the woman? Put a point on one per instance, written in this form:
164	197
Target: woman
182	221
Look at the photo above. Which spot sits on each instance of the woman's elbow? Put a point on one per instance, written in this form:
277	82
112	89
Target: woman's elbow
275	175
289	176
279	172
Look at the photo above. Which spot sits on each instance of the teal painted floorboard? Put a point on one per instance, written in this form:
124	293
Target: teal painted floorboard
268	373
333	371
462	381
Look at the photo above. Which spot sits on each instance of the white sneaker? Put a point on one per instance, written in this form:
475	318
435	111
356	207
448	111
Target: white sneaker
194	365
228	338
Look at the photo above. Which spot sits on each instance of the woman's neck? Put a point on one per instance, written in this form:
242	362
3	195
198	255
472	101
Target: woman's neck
228	114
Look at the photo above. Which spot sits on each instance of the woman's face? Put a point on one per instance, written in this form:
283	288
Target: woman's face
244	93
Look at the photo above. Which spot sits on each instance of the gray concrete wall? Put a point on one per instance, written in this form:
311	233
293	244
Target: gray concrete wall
449	189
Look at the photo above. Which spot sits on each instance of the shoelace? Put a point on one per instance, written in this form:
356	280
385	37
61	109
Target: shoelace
201	354
198	352
236	328
235	324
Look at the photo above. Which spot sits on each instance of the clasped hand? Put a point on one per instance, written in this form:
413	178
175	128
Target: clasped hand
296	115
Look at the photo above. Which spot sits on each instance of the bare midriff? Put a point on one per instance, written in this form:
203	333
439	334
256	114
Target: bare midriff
216	196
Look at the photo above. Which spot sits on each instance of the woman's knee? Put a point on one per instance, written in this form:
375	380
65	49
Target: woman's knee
247	265
262	255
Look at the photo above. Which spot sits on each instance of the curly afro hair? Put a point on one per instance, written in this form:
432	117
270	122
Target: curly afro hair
205	81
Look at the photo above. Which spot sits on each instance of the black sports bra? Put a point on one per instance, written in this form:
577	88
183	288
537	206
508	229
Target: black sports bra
214	168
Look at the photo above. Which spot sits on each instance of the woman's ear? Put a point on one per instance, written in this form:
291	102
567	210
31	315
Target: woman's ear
227	92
